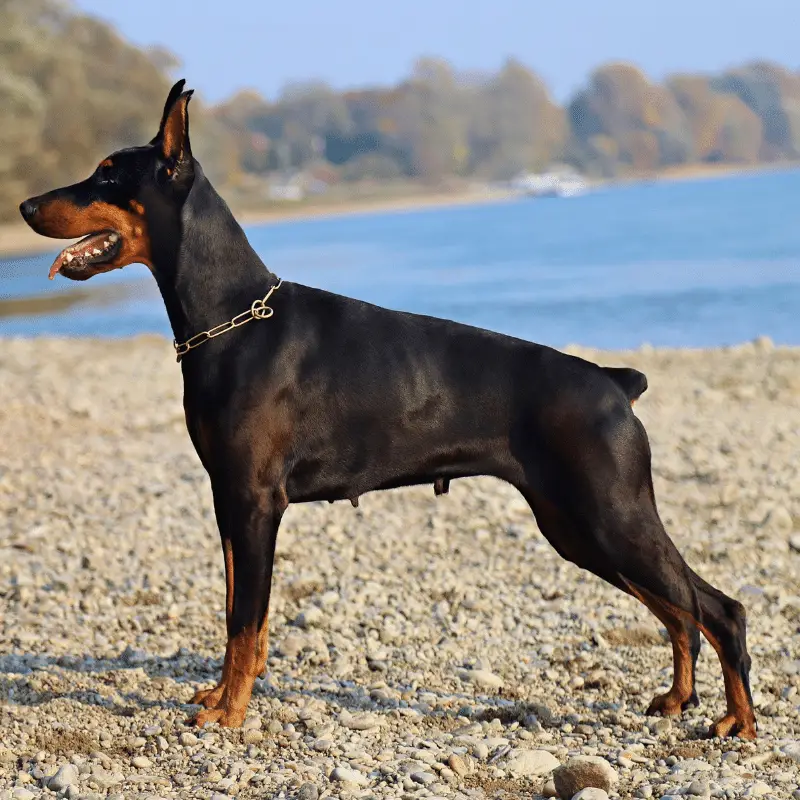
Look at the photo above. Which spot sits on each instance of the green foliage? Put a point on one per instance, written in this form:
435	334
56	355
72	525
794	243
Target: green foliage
71	91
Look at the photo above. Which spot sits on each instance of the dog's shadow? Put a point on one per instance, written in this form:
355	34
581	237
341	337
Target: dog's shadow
16	673
15	687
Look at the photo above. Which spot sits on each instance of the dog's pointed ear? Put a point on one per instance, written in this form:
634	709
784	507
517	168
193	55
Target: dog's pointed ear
173	134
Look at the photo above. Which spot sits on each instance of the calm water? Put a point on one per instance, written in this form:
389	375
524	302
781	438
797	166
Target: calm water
699	263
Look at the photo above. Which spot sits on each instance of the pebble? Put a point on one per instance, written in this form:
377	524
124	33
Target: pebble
549	788
345	775
360	722
458	765
141	762
757	789
792	750
590	793
308	791
310	618
66	775
531	762
584	772
482	678
480	750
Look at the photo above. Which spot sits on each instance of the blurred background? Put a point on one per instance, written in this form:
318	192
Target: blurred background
602	174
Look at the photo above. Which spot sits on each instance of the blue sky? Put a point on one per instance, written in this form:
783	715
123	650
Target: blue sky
263	44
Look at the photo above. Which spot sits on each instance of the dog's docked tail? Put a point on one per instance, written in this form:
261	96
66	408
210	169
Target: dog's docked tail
631	381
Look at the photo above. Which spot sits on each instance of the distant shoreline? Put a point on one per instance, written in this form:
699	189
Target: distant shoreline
17	240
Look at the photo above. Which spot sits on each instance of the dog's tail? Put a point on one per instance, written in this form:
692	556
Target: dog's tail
631	381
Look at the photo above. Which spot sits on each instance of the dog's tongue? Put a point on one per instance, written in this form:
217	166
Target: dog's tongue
82	253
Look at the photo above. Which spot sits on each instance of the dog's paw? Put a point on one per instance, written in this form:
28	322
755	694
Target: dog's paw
223	716
672	704
730	725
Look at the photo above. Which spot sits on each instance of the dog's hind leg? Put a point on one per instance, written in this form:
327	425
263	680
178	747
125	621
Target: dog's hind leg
639	558
249	517
607	522
562	533
685	639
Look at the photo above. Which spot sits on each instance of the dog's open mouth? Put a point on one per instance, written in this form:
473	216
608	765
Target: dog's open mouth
93	250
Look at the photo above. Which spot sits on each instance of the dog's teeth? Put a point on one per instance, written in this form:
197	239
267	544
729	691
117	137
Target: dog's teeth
106	245
113	237
97	252
68	257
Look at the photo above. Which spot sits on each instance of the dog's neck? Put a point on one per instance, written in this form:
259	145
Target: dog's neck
209	273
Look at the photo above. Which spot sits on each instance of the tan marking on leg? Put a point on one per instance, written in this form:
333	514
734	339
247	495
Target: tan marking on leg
671	703
231	710
262	645
739	719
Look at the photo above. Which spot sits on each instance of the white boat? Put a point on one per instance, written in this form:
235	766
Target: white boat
550	184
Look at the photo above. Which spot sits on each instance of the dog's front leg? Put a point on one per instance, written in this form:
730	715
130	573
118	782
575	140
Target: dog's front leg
248	519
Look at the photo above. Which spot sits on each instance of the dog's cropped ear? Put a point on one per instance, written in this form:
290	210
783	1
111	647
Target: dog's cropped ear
173	134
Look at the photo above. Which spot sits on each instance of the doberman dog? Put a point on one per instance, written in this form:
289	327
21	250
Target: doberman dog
322	397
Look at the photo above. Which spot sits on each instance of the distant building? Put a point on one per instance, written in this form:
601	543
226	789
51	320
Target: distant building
295	186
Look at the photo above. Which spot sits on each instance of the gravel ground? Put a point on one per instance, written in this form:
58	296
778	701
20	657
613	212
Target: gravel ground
421	647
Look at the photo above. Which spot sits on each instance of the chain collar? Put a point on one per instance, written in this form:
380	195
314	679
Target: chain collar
259	310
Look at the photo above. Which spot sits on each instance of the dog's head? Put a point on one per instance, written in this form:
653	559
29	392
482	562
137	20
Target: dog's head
116	209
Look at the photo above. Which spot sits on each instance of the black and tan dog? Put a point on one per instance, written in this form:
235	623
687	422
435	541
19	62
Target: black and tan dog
321	397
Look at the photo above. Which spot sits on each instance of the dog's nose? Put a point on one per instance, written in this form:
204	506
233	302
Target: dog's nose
28	209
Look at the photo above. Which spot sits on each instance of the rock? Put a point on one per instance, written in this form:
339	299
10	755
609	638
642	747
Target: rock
757	789
67	775
591	793
187	739
360	722
662	725
424	778
531	763
794	542
345	775
481	677
23	794
309	618
792	750
292	645
252	736
780	520
549	788
458	765
690	766
132	656
699	789
308	792
581	773
141	762
322	745
480	750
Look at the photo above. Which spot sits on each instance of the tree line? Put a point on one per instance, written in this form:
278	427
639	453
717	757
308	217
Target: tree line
71	90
